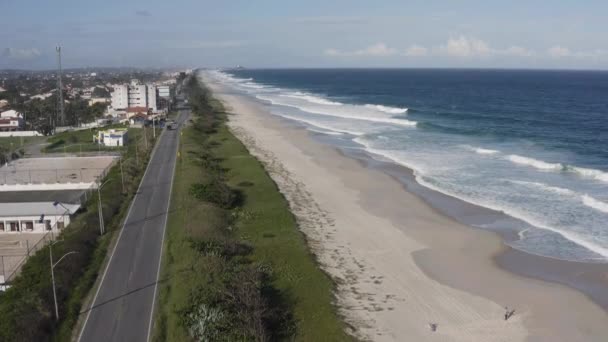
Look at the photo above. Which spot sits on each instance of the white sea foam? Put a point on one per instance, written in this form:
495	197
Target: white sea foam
485	151
590	173
387	109
566	234
545	187
312	98
345	113
594	203
541	165
253	85
538	164
480	150
513	212
320	125
325	132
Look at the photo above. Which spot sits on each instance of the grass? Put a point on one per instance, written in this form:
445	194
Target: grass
16	143
82	140
264	221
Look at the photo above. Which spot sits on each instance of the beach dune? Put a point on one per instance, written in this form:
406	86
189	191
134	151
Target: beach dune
400	265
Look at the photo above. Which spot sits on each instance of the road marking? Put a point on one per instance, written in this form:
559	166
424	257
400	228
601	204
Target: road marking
103	277
162	243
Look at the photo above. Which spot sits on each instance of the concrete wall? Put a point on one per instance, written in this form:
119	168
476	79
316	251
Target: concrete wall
19	134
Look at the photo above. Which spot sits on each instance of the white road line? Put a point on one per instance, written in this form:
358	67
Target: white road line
103	277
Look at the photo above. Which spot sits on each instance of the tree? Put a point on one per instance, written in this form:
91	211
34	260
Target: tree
101	92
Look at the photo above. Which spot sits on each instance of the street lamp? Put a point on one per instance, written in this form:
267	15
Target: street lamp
53	265
100	207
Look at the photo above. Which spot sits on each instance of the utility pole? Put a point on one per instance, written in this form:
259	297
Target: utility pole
60	86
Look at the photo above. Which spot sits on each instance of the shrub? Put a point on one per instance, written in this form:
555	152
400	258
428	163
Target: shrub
215	192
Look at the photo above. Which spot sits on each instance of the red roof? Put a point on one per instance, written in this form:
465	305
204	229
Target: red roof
139	115
137	110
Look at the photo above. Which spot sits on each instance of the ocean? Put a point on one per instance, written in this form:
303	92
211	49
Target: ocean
530	144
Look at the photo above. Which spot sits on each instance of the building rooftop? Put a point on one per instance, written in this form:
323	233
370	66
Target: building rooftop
137	110
36	208
10	114
63	196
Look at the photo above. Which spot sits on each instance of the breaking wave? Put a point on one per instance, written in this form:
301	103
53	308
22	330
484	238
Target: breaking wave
387	109
595	204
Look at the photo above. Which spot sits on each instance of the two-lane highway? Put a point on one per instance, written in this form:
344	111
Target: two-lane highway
124	303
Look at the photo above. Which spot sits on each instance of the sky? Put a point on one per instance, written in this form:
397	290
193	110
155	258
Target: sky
554	34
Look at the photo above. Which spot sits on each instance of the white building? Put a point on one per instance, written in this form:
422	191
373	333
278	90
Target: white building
120	96
11	120
35	217
95	100
138	96
112	137
164	91
152	101
134	95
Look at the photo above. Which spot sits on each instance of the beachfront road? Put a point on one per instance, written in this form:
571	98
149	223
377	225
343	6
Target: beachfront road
124	303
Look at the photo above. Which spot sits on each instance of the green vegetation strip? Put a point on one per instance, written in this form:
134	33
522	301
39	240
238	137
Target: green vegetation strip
235	266
27	308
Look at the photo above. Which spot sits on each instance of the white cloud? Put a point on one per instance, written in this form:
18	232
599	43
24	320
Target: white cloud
469	47
205	44
465	47
416	51
379	49
22	54
559	51
376	50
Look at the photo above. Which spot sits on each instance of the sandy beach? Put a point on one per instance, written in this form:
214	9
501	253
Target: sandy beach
398	263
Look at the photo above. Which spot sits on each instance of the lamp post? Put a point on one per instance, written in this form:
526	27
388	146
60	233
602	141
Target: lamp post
153	128
53	265
100	211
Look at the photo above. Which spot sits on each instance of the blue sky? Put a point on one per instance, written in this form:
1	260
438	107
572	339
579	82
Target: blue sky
312	33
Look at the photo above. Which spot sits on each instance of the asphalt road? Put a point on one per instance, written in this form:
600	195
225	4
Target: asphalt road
123	306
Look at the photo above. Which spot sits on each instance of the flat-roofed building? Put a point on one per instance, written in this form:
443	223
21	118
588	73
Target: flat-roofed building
35	217
112	137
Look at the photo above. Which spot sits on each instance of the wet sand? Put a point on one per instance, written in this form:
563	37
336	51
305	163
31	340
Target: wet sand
399	263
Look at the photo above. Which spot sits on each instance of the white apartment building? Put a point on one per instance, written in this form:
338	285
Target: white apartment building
134	95
120	96
152	101
164	91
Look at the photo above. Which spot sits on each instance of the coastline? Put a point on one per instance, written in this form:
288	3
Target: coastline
417	266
